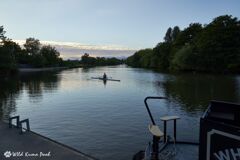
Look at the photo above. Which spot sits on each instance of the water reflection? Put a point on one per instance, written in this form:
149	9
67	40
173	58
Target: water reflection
33	83
105	82
69	106
190	92
194	91
9	91
86	69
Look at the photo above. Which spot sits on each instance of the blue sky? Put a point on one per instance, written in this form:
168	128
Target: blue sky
131	24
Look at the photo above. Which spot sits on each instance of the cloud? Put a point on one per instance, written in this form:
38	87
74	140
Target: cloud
72	50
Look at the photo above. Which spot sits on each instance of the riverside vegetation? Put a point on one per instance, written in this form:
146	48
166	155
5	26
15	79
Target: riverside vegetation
213	47
87	60
35	55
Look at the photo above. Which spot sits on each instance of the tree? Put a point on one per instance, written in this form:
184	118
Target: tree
162	51
188	35
86	59
219	45
168	35
141	58
99	61
175	32
184	59
2	32
145	60
214	47
32	46
8	53
50	54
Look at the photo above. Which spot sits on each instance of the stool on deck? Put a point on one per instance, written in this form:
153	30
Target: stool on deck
155	130
157	134
170	118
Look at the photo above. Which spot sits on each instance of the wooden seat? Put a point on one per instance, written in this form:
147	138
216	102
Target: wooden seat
155	130
168	118
165	119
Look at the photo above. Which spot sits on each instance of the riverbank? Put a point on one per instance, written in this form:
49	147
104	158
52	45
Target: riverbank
32	69
8	72
40	69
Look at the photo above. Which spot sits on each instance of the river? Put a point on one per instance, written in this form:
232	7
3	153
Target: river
109	121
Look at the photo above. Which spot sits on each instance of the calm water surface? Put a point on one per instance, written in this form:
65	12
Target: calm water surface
109	121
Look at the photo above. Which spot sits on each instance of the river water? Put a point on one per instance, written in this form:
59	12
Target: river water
109	120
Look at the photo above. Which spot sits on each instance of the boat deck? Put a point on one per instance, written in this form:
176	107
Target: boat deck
32	146
185	152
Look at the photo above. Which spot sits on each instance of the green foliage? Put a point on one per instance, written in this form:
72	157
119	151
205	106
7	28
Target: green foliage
184	59
188	35
175	32
219	45
141	58
162	51
145	61
214	47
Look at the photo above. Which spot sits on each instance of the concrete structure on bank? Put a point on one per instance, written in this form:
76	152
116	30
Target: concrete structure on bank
32	146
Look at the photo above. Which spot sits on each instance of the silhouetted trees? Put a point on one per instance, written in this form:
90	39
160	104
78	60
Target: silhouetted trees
168	35
8	50
32	55
32	46
214	47
51	55
87	60
2	32
37	55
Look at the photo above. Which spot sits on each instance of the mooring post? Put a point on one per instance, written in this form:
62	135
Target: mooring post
175	130
155	148
165	131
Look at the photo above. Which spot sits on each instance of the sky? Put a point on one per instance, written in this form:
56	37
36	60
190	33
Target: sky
110	27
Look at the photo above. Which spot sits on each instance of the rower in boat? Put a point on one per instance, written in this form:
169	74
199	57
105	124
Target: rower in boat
104	76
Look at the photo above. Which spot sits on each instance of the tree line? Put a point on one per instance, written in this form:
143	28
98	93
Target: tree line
33	54
87	60
213	47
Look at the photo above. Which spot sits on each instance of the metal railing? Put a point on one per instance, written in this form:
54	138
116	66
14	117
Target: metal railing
19	124
149	112
11	119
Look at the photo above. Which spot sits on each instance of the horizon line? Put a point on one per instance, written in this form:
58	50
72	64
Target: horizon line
78	45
